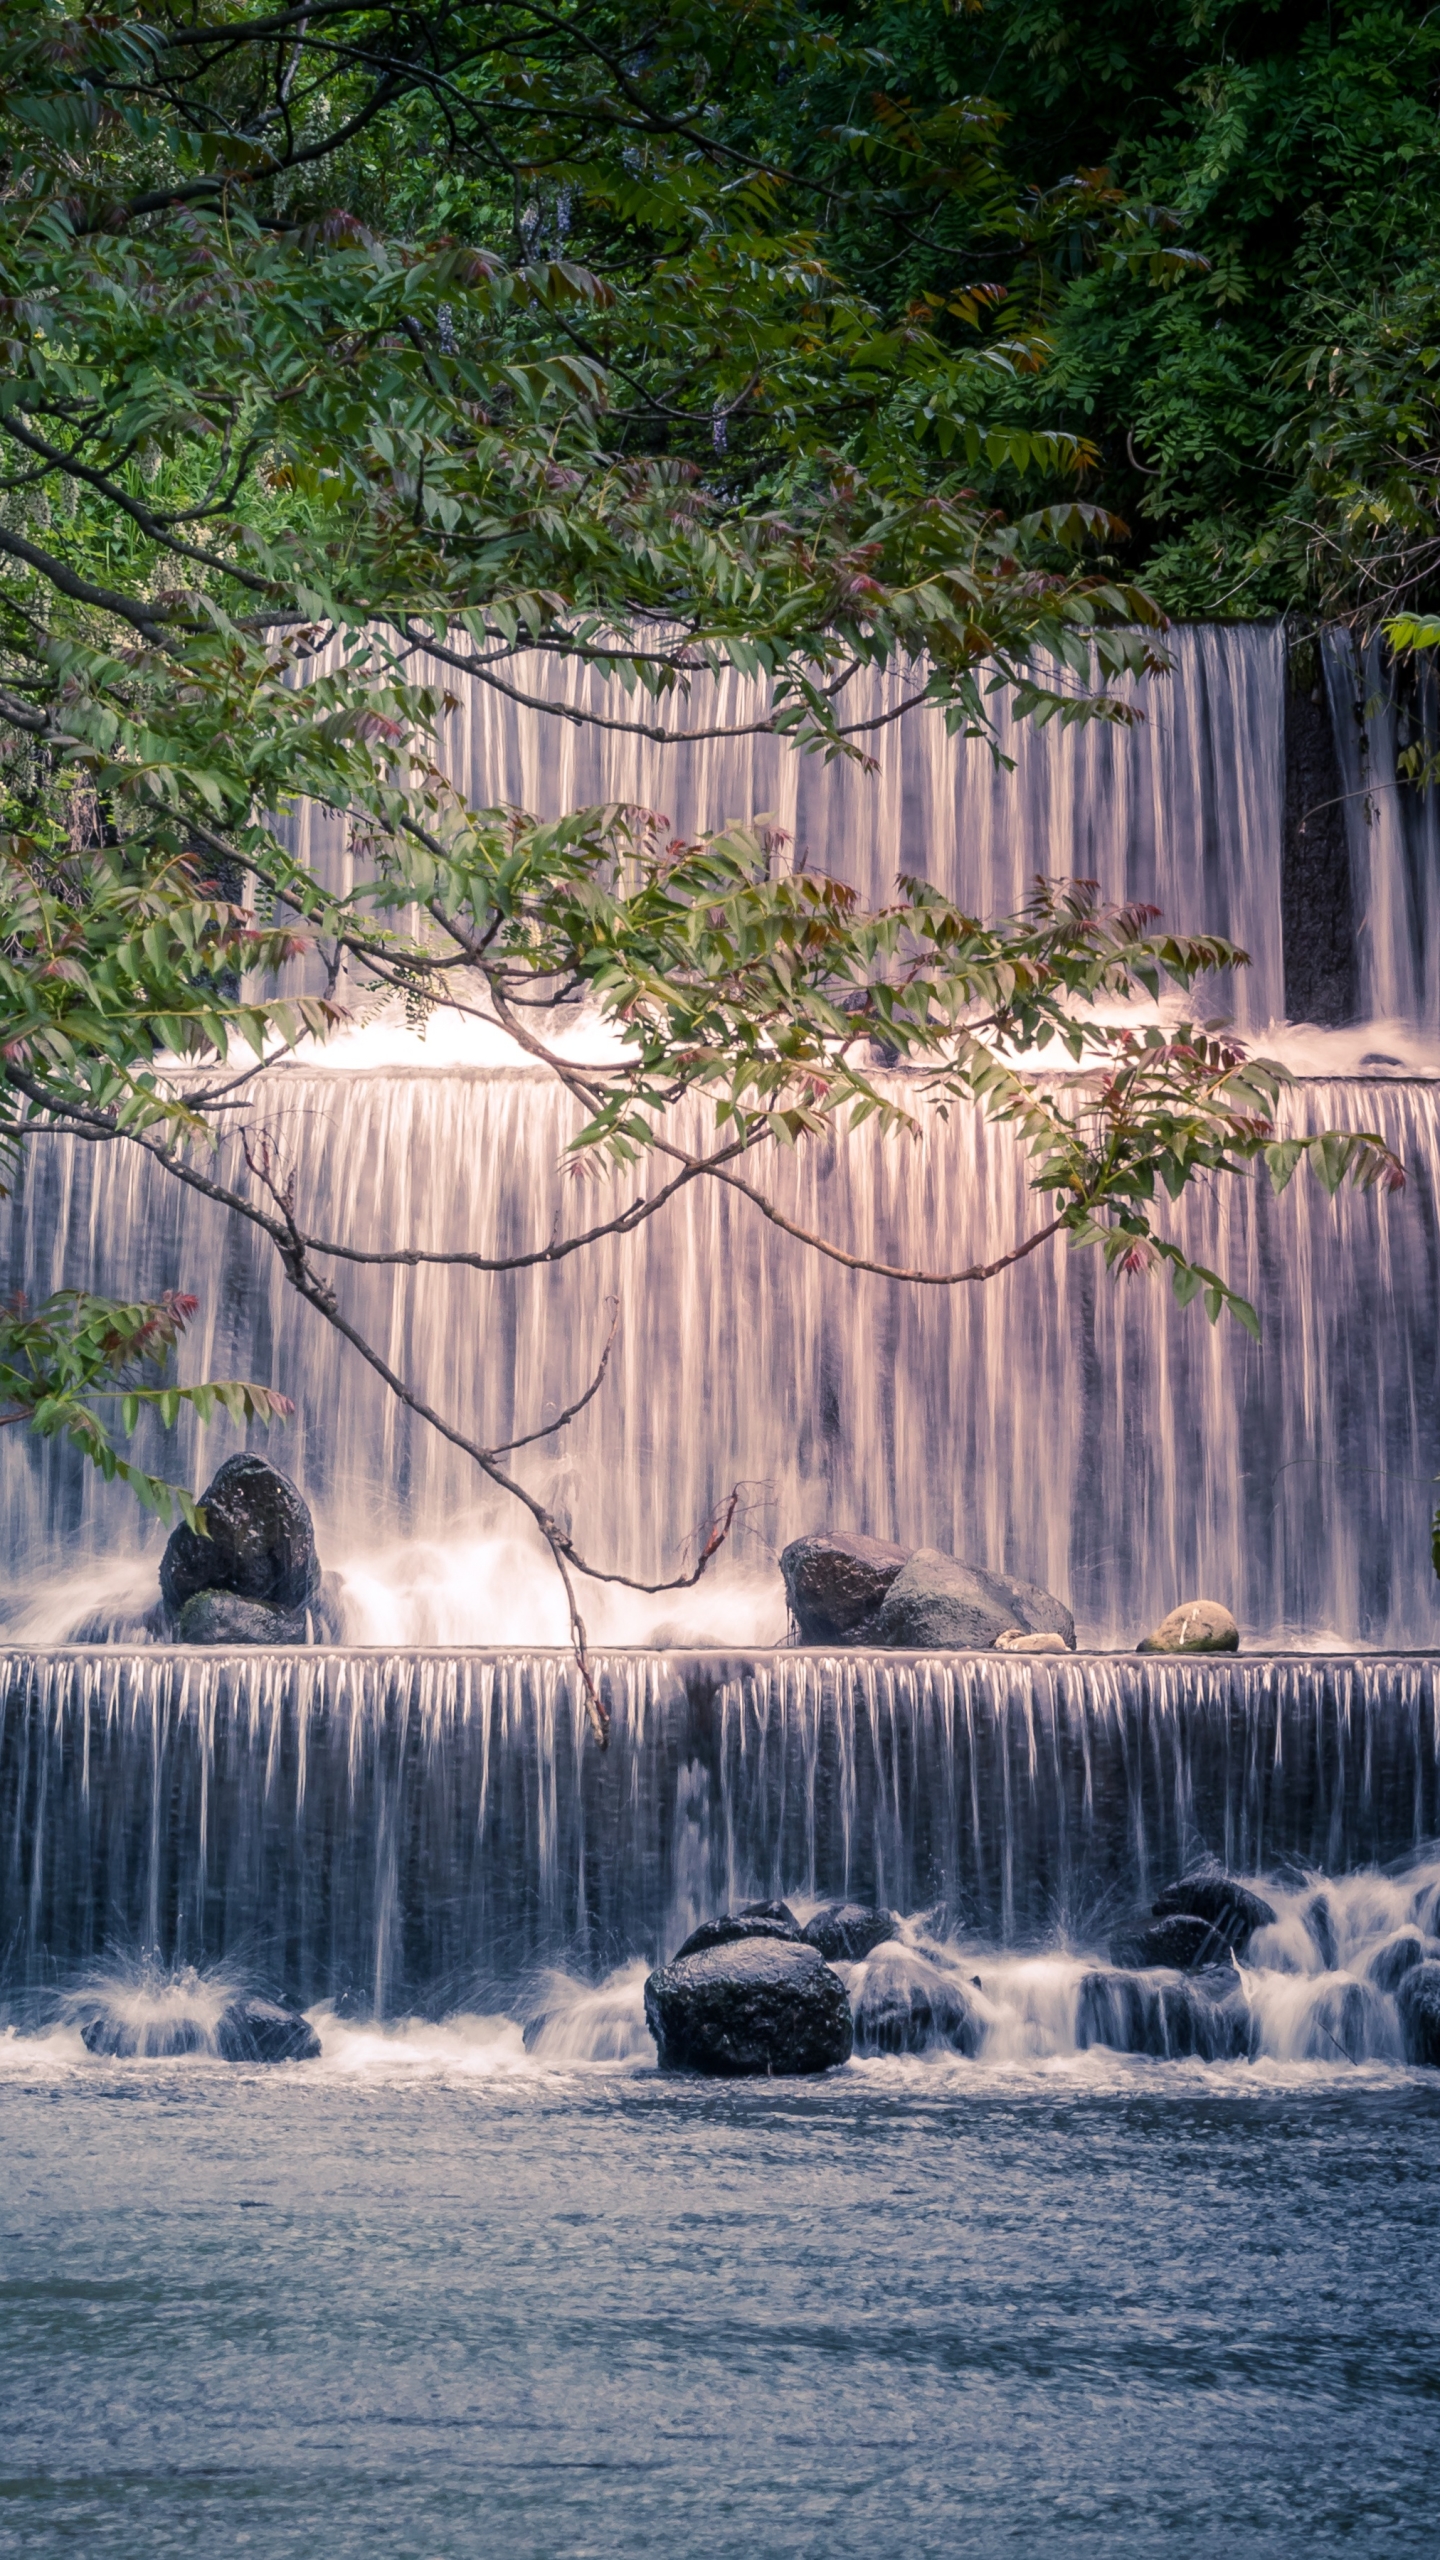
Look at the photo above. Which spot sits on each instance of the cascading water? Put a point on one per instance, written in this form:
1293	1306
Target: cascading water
394	1831
403	1834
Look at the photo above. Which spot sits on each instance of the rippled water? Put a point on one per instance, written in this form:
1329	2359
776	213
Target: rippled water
436	2295
430	2299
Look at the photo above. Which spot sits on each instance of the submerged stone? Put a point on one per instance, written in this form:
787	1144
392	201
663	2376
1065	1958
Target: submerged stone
256	2030
1418	2001
117	2037
1197	1626
1351	2022
259	1541
223	1617
754	2006
1180	1943
844	1932
1396	1957
940	1604
1319	1921
903	2004
1204	2017
1209	1894
835	1583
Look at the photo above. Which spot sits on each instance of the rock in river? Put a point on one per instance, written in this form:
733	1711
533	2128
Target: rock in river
938	1603
757	2005
846	1931
1182	1943
222	1617
1418	2001
1197	1626
756	1920
259	1541
1208	1893
255	2030
835	1583
905	2004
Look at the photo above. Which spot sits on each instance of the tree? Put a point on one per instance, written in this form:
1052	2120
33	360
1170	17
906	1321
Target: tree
244	424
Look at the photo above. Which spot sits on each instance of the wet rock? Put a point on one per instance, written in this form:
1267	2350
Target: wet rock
939	1604
1205	2016
757	1920
835	1583
1208	1893
1197	1626
1015	1640
159	2039
902	2004
1396	1957
1319	1920
757	2005
256	2030
845	1932
1181	1943
1350	2022
1418	2001
222	1617
259	1541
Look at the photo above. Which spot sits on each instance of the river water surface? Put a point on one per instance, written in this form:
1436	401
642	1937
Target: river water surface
432	2297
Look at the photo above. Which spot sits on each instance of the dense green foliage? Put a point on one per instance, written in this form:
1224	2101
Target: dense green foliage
1250	412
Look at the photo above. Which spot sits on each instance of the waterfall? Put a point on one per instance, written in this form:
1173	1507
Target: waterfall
1182	810
1073	1428
1067	1427
415	1833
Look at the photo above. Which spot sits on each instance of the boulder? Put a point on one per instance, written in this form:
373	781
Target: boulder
1208	1893
844	1932
1319	1921
1350	2022
1015	1640
222	1617
255	2030
904	2004
158	2038
1396	1957
938	1604
1197	1626
259	1541
1418	2001
757	1920
835	1583
1182	1943
1205	2015
757	2005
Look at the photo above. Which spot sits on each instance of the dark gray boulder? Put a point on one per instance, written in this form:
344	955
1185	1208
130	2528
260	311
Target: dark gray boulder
1208	1893
256	2030
1350	2022
1182	1943
844	1932
1319	1920
758	2005
222	1617
1204	2015
835	1583
259	1541
1398	1956
938	1604
1418	2001
731	1926
122	2038
903	2004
